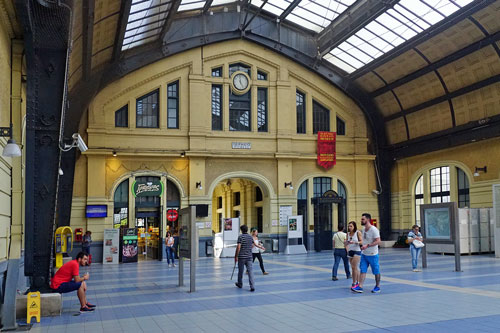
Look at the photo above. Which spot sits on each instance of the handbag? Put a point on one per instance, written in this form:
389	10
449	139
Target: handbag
418	244
261	250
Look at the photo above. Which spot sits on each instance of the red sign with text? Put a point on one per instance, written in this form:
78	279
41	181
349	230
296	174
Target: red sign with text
172	215
326	149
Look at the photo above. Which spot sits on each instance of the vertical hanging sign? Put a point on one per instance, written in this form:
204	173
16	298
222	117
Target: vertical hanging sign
326	149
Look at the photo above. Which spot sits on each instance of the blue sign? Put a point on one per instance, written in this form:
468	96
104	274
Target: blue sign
96	211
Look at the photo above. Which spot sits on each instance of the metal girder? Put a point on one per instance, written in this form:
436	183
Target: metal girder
351	21
489	40
207	6
170	17
46	30
434	30
122	26
289	9
443	98
473	131
88	36
246	24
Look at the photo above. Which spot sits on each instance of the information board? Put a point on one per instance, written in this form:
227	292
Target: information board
129	249
230	236
110	246
285	211
295	227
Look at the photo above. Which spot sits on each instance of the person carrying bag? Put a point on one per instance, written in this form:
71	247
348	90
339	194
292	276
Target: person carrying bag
416	244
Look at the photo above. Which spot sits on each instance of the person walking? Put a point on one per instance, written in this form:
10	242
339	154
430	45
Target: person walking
169	247
340	252
354	242
86	242
256	250
369	253
413	235
243	256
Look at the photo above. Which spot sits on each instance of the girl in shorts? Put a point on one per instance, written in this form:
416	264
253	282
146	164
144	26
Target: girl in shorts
353	242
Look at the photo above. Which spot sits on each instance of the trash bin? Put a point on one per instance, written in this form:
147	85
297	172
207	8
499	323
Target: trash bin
275	245
209	248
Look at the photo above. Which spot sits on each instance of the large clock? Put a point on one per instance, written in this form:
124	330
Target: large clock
240	83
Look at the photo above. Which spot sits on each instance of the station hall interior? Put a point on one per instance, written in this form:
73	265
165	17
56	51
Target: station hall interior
118	114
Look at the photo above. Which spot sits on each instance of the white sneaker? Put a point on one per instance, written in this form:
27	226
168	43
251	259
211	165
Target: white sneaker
173	265
169	265
417	270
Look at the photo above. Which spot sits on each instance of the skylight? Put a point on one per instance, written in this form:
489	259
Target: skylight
405	20
314	15
199	4
145	22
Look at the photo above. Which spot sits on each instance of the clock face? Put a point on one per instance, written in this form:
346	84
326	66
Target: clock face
240	81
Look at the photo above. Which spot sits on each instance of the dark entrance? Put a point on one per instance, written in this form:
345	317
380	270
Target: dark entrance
323	219
302	210
148	221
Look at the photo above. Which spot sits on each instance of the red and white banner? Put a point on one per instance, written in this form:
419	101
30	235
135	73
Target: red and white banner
326	149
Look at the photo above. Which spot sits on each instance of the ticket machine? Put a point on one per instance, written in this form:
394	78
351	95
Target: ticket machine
63	243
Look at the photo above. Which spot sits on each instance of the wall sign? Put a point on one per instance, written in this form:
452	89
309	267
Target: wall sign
241	145
96	211
172	215
147	189
326	149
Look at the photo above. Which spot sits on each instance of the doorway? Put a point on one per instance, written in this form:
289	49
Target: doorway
323	227
148	224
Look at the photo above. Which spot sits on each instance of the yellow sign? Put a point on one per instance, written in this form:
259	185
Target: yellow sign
33	307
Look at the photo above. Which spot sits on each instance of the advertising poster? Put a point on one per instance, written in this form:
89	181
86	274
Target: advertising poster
295	226
228	224
129	252
111	246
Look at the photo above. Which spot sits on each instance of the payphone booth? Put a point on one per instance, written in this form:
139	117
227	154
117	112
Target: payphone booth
64	243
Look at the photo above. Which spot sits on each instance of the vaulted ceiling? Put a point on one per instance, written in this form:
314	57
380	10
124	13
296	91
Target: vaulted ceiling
425	72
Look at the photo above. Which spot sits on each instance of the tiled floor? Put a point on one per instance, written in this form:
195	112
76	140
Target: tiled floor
298	295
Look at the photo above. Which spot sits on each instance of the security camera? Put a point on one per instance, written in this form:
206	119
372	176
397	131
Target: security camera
78	142
61	172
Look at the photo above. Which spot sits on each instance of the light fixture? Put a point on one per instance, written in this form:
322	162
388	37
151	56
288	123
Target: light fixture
61	172
183	154
114	153
198	186
376	192
228	183
11	148
483	169
289	185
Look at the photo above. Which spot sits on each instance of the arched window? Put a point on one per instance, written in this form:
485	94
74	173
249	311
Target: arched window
120	209
440	184
321	185
342	214
419	198
443	185
463	189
